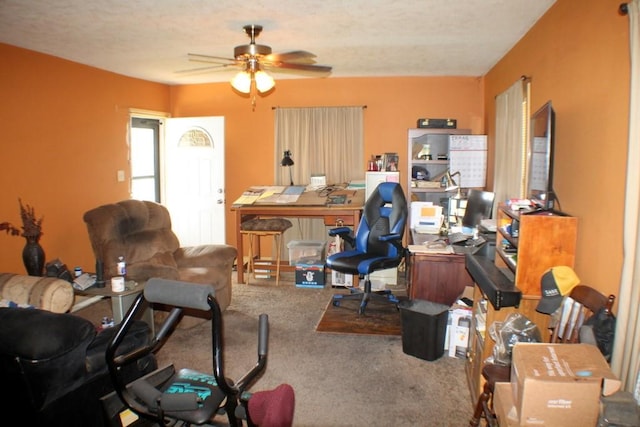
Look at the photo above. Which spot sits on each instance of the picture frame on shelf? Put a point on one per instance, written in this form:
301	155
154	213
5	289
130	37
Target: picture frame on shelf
390	162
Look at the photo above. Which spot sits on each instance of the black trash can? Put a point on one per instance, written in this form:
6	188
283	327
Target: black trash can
424	327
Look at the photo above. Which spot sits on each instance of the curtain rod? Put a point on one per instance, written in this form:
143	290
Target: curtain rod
623	9
364	107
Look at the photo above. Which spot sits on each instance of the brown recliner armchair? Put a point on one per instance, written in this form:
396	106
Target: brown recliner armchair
140	231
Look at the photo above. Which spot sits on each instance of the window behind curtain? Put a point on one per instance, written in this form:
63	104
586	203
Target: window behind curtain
512	120
322	140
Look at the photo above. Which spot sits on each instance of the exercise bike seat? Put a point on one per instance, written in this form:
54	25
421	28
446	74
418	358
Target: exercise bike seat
189	395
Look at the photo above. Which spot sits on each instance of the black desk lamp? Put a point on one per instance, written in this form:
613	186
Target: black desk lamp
288	161
451	185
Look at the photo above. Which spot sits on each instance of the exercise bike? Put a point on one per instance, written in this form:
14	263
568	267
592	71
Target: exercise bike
188	397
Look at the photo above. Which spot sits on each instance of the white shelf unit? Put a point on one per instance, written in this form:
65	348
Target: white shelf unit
455	150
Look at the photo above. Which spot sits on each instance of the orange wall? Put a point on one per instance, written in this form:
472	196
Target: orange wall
63	139
578	57
393	106
65	134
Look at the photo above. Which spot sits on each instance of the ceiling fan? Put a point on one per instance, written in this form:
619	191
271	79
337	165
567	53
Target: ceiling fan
255	59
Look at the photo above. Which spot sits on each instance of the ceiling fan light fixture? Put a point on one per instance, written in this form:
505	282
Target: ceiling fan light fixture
264	82
242	82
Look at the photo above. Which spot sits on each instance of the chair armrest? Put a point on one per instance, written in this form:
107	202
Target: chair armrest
209	256
345	233
389	237
339	231
396	240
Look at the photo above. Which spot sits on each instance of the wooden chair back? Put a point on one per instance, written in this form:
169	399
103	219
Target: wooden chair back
580	304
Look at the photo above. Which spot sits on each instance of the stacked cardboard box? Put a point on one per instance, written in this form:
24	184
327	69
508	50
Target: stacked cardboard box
308	257
458	331
554	385
310	275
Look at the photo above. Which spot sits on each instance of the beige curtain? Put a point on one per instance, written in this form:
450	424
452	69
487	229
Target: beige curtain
625	361
323	140
512	112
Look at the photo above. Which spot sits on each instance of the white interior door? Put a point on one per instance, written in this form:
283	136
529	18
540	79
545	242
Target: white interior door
194	188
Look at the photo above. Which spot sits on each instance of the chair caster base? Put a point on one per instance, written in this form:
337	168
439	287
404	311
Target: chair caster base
365	297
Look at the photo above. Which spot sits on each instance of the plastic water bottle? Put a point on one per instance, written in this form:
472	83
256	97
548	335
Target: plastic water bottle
121	267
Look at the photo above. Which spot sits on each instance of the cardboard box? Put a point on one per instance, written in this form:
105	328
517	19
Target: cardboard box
381	278
458	331
341	279
310	275
503	405
553	383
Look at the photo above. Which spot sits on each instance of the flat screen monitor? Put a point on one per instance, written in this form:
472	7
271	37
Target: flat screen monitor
479	207
540	154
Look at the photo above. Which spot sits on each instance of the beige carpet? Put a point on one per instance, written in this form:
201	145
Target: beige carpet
339	379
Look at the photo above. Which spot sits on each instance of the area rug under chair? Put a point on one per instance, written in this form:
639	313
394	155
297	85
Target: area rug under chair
379	318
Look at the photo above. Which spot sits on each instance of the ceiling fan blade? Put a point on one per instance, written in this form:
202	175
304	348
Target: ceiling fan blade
195	57
201	70
300	67
293	56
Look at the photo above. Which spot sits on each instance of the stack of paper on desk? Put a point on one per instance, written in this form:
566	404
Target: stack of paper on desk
431	248
291	194
249	196
260	194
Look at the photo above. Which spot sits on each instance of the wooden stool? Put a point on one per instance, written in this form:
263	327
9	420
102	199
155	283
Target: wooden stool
259	227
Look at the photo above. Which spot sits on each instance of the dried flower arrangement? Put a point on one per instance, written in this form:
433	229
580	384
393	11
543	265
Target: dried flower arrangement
31	226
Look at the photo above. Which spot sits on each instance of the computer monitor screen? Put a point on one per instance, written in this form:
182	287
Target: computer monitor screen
479	207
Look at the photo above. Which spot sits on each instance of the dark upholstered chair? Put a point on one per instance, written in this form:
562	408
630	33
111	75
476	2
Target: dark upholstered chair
53	367
140	231
377	243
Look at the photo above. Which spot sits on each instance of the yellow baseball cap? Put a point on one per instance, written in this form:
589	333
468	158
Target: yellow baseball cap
556	283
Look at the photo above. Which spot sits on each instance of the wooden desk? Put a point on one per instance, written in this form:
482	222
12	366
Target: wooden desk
309	205
440	278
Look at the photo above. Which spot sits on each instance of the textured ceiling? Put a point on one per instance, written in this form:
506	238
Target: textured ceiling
150	39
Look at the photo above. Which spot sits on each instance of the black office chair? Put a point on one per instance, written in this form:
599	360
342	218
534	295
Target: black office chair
188	397
377	243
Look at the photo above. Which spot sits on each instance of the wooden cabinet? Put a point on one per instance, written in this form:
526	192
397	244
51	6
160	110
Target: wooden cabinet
437	278
526	246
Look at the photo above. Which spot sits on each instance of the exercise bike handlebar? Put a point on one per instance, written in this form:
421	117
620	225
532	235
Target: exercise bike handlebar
263	347
178	294
263	335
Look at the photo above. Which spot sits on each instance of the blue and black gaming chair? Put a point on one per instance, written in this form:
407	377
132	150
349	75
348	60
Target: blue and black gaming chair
377	244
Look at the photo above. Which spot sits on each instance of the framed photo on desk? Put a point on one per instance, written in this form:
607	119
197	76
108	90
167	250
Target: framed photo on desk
390	162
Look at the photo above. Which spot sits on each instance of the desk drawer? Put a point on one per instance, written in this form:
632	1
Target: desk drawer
338	220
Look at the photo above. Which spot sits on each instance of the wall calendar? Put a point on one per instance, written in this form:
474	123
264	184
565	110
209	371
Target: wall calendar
468	155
